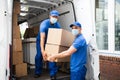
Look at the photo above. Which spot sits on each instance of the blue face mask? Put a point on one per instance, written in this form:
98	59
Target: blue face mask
75	32
53	20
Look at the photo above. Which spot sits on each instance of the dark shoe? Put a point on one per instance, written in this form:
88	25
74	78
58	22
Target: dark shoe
36	75
53	77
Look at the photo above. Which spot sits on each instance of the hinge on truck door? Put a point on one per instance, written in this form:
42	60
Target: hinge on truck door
5	13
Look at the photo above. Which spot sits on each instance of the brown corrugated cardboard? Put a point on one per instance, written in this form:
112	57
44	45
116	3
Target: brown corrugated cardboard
16	32
15	20
31	32
20	69
16	7
60	37
26	34
55	49
17	45
36	30
17	57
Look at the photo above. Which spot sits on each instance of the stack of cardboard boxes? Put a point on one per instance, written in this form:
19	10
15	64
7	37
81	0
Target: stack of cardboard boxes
19	68
58	40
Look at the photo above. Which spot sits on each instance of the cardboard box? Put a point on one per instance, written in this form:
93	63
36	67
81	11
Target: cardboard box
16	32
20	70
17	45
15	20
36	30
31	32
16	7
26	34
17	57
55	49
60	37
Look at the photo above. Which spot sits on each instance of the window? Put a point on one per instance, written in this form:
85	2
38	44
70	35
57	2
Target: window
102	24
117	25
23	27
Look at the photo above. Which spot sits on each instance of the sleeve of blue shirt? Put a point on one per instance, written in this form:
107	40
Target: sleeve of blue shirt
58	24
79	43
43	27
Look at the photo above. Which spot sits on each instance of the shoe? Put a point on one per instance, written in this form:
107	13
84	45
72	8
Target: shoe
53	77
36	75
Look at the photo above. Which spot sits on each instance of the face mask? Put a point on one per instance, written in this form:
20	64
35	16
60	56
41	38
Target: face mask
75	32
53	20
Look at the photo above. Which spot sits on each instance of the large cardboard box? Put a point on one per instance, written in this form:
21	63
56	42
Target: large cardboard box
20	70
16	32
52	49
15	20
26	34
60	37
31	32
17	57
17	45
16	9
36	30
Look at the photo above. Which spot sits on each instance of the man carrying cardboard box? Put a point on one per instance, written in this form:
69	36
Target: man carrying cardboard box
78	52
41	41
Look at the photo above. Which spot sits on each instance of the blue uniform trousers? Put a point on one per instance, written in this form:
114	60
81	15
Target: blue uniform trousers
39	62
78	75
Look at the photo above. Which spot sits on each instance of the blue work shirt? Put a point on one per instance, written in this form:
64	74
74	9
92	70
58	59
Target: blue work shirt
45	25
78	59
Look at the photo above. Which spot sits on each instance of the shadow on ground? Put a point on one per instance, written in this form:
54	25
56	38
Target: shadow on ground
44	76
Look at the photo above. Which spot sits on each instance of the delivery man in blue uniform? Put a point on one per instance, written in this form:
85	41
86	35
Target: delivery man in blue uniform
78	52
41	41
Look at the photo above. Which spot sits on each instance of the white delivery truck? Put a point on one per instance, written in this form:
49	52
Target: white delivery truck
37	10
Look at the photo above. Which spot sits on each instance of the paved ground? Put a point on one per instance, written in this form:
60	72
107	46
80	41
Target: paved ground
45	76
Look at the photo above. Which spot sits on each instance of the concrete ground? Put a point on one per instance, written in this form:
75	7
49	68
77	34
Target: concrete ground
44	76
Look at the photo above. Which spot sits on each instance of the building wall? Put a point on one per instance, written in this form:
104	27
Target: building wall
109	68
107	38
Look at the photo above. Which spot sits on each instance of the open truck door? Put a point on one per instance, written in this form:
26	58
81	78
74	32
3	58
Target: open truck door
5	38
70	11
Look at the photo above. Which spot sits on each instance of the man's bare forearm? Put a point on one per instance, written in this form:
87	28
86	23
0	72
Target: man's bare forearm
42	42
